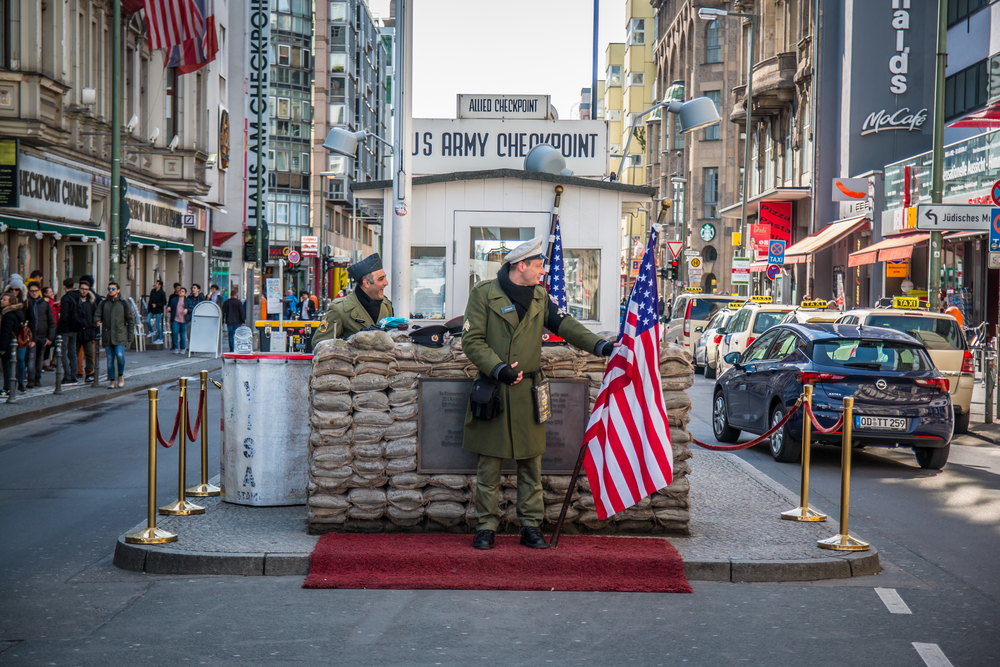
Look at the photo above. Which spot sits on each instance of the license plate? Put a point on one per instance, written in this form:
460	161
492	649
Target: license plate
881	423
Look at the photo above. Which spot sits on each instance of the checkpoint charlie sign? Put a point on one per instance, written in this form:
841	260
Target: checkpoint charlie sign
442	146
521	107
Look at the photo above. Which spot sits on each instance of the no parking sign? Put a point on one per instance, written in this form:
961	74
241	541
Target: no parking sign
293	257
772	271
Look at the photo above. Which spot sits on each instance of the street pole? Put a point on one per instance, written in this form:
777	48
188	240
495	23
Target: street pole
746	143
937	163
403	179
116	136
593	65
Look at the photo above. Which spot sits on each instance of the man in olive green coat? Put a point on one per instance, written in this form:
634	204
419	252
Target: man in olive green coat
502	336
363	307
117	322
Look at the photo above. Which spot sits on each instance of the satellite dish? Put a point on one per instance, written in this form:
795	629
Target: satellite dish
547	160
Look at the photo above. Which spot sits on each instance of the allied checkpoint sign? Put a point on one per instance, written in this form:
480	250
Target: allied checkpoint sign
442	146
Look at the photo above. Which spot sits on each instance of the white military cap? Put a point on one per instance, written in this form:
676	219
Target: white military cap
527	250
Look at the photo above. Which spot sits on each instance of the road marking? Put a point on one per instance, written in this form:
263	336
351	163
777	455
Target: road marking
892	601
932	655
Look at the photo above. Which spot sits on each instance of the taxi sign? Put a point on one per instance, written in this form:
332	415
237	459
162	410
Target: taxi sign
693	290
735	305
816	303
906	302
760	299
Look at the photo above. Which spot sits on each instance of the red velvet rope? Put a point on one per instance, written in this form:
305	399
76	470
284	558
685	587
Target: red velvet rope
192	435
173	435
815	423
752	443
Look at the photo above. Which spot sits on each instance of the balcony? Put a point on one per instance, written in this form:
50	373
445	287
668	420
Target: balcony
184	173
773	88
31	108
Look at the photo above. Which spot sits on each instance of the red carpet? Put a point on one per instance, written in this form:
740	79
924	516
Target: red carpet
411	562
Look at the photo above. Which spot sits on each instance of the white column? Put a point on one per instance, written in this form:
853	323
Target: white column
403	178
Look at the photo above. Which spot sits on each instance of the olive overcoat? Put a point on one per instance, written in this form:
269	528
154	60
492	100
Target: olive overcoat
347	317
492	335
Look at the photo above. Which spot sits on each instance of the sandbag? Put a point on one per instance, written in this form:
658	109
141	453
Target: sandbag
401	465
437	494
364	513
329	402
404	380
331	382
329	438
330	420
363	435
340	454
398	397
363	418
409	480
400	429
331	348
370	451
405	499
338	366
373	367
447	514
371	400
404	412
369	382
372	340
332	502
449	481
400	448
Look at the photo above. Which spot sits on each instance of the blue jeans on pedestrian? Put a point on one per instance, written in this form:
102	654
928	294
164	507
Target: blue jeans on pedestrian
115	353
232	335
157	319
22	353
179	334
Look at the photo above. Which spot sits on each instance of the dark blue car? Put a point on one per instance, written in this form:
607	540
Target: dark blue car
901	399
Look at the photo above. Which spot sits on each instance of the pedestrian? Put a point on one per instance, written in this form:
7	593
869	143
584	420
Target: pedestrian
233	314
291	304
49	295
215	296
179	311
117	320
70	326
86	341
154	311
306	308
502	336
363	307
12	322
44	333
19	293
196	295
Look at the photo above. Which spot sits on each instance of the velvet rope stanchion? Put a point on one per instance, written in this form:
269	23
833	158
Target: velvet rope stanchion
167	444
152	534
802	512
756	441
182	507
843	540
204	489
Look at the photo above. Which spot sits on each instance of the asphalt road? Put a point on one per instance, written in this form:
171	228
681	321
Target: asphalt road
70	485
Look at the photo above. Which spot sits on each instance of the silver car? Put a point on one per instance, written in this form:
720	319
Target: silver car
706	347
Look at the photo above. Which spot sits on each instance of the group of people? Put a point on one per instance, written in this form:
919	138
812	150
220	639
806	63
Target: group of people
177	311
33	318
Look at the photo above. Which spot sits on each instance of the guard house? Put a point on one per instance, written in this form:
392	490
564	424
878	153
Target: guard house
462	223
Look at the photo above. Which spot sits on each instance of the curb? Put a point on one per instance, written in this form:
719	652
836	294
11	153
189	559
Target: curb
151	560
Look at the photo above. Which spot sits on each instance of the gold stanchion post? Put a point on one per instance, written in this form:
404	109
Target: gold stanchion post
152	534
204	489
802	512
844	541
182	506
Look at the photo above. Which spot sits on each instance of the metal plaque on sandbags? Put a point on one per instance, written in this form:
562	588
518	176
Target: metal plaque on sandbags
441	422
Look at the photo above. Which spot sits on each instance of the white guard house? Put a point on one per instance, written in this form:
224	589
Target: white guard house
462	224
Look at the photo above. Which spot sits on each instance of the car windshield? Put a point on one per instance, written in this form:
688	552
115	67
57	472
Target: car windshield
703	309
765	321
871	355
936	333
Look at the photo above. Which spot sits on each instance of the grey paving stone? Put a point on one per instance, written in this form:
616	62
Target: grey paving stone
282	565
162	562
790	570
708	569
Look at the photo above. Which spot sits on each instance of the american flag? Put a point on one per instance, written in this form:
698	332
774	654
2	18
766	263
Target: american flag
629	455
556	277
173	21
195	52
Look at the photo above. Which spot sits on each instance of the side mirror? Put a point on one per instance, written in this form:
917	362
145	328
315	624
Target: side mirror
721	330
733	358
699	329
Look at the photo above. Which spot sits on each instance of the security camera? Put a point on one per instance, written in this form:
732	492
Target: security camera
174	143
133	122
154	135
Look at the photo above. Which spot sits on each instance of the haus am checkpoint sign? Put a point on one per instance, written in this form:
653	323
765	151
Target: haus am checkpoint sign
776	252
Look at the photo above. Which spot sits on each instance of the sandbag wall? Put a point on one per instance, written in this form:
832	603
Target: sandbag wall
363	443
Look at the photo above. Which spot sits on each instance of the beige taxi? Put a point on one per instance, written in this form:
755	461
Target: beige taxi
754	318
941	334
817	311
690	313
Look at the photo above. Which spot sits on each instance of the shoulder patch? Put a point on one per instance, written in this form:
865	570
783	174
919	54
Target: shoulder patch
324	327
466	325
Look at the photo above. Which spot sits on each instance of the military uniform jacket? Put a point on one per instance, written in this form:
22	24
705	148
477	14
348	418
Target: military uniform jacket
492	335
347	317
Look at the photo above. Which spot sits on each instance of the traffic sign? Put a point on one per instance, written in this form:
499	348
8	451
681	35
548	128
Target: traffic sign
775	252
995	193
675	248
293	257
995	230
694	263
690	252
949	217
772	271
740	271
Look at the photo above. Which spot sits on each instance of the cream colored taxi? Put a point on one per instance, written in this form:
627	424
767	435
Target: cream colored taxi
691	312
754	318
814	311
941	334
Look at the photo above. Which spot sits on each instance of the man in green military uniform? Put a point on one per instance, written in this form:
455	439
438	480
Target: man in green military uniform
363	307
502	336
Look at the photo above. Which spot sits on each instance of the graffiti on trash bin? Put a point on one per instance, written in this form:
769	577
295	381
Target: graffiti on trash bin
248	450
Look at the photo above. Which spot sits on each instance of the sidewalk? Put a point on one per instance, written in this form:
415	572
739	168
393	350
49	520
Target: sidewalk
737	535
142	371
978	429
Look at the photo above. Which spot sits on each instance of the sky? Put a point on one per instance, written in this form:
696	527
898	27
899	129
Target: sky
537	47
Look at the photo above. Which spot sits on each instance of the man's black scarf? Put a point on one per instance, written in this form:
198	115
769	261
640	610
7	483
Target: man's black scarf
520	295
373	307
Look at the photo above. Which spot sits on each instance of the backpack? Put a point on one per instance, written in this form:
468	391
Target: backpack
24	336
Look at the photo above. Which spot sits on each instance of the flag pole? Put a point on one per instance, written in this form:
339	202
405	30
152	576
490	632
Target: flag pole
554	542
555	219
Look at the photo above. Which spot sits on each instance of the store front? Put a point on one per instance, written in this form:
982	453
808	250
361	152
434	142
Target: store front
830	248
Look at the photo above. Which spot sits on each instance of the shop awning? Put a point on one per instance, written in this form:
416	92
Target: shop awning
774	194
19	223
218	238
757	267
803	250
892	248
960	236
138	239
71	230
183	247
988	118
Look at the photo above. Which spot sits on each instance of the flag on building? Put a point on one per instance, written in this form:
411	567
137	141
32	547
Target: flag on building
556	277
171	22
195	52
629	455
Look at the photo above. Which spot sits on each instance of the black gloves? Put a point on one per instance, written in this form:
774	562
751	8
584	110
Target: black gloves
507	375
604	348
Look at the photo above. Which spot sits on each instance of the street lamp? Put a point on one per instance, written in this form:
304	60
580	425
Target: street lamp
344	142
710	14
693	115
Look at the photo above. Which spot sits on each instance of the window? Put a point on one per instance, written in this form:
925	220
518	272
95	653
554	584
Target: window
282	214
788	152
876	355
285	6
760	346
338	11
284	55
295	163
966	90
305	163
614	76
713	43
635	78
709	284
281	161
959	10
427	282
768	159
270	160
583	282
614	114
712	131
338	62
338	114
709	254
765	321
711	180
637	32
337	164
488	245
284	107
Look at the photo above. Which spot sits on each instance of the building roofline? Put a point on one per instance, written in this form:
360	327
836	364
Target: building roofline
512	173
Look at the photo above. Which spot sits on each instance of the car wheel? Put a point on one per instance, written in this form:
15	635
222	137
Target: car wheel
720	421
932	458
709	372
961	420
699	369
783	448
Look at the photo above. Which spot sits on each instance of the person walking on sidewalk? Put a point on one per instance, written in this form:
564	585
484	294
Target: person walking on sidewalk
49	295
70	326
215	296
116	320
12	320
154	309
86	340
233	314
44	322
179	309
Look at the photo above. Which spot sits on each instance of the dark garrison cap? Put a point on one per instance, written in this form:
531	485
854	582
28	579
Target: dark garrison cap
454	325
432	336
364	267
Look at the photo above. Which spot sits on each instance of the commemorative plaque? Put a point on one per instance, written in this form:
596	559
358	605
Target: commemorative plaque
441	420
